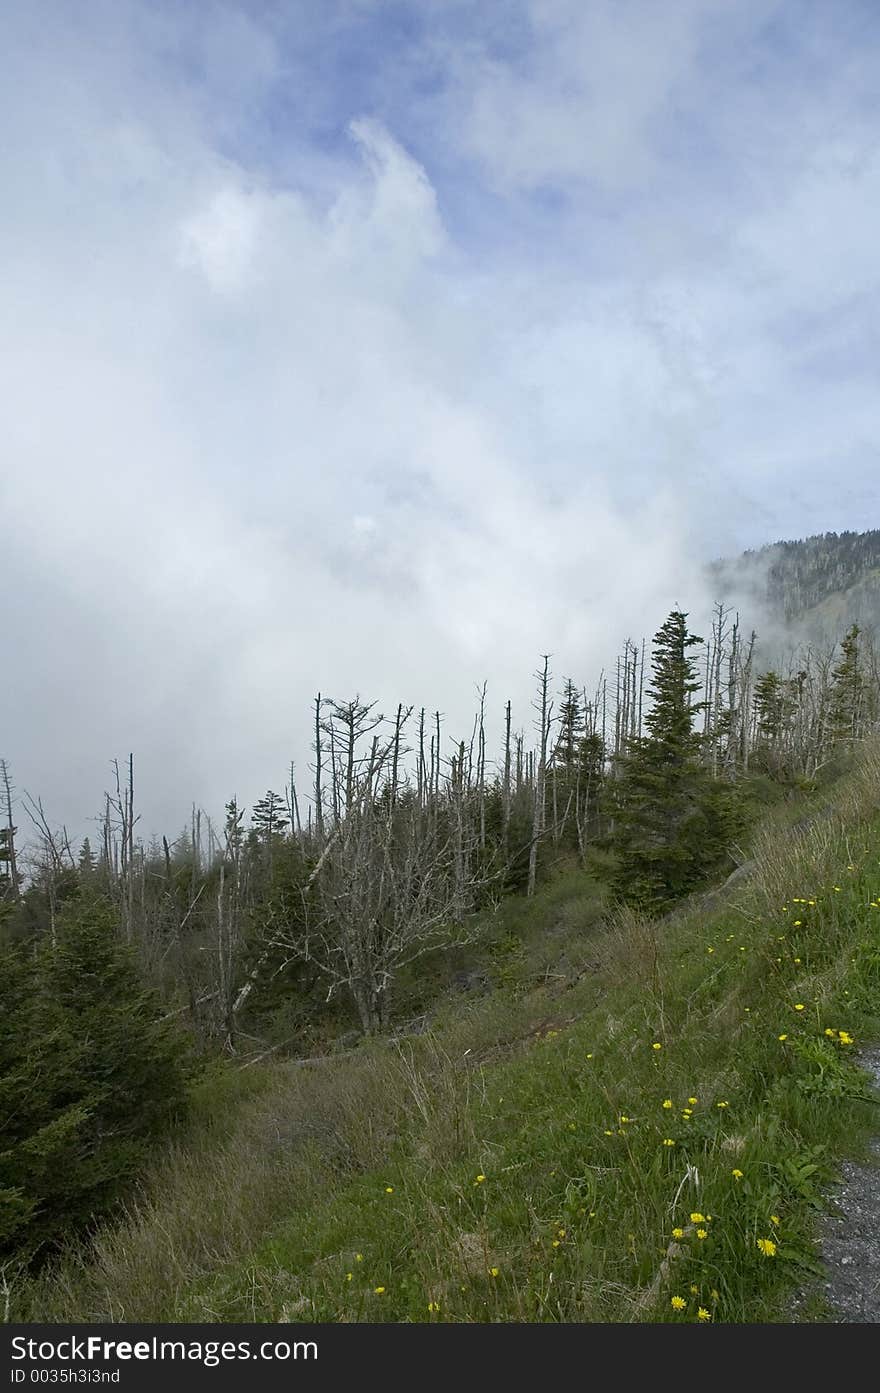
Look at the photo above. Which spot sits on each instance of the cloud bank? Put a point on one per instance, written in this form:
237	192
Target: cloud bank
380	348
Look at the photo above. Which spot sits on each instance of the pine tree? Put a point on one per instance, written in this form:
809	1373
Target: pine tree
670	816
848	692
90	1074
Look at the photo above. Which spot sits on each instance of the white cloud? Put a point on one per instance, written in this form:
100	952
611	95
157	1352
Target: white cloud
376	422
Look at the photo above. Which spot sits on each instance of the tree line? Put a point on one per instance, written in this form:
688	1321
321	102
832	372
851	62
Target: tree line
126	959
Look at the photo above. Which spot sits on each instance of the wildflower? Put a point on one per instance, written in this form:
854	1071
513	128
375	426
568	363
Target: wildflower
702	1233
796	960
799	1006
589	1056
494	1271
703	1314
710	950
656	1045
389	1189
433	1305
667	1141
845	1038
797	923
722	1104
830	1033
479	1180
555	1243
623	1118
692	1100
774	1219
678	1233
667	1102
348	1276
698	1218
767	1247
678	1303
737	1174
715	1295
607	1133
782	1037
694	1291
837	888
358	1257
378	1290
688	1112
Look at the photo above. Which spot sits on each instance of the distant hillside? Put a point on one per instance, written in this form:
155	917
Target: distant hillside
813	589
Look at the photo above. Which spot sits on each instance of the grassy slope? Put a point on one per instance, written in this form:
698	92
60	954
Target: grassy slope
515	1162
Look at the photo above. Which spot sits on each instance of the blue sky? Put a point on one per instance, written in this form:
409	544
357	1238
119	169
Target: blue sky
383	346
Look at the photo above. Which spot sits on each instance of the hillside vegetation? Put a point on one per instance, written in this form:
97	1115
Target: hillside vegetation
810	589
635	1121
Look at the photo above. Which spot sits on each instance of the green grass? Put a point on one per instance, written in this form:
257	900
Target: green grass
512	1164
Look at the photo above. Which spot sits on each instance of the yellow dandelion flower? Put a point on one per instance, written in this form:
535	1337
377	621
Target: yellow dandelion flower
479	1180
561	1233
702	1233
698	1218
667	1141
845	1038
678	1233
348	1276
737	1174
433	1305
796	960
693	1100
782	1037
829	1032
656	1045
389	1189
703	1314
767	1247
667	1102
494	1271
694	1291
358	1257
678	1303
378	1290
556	1243
774	1219
799	1006
797	923
722	1104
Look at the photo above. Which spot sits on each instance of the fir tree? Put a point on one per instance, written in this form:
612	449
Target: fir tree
90	1073
670	815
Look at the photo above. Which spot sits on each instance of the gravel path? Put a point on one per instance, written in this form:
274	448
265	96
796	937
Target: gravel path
849	1236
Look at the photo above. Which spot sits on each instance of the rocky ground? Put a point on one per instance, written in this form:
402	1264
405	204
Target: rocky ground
849	1235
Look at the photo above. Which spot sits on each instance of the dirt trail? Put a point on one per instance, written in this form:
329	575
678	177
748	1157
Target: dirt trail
849	1236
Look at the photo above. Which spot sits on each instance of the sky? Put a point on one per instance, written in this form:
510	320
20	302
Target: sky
359	346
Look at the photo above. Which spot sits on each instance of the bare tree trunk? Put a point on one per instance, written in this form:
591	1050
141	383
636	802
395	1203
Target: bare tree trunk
14	882
538	816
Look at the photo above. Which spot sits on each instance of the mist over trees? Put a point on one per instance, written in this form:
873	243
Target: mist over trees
295	924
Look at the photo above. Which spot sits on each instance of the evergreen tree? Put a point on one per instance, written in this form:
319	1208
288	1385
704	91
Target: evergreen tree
848	692
268	817
90	1073
670	815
